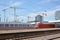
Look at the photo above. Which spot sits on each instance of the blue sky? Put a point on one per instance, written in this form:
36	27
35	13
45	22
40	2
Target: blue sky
30	8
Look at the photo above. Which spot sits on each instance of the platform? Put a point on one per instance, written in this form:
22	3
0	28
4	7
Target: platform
27	30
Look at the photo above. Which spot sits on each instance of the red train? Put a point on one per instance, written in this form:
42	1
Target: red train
40	25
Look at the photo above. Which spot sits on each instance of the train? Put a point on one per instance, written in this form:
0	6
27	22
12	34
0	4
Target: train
43	25
13	25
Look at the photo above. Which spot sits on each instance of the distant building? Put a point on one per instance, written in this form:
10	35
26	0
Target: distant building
46	22
39	18
57	15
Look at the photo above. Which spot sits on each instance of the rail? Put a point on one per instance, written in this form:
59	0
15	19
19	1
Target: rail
31	33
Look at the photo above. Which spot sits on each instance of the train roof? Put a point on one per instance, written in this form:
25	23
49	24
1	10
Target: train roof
55	21
13	23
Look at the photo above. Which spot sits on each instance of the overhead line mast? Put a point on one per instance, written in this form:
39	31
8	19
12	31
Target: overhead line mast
15	16
4	14
14	13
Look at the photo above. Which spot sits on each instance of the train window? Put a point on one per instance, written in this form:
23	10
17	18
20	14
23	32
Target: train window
27	24
11	24
20	24
16	24
1	24
6	24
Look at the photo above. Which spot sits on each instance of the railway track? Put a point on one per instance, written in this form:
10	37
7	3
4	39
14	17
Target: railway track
35	38
57	38
31	34
28	35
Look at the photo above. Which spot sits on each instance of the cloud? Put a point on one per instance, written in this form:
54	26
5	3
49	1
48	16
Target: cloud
19	18
57	7
50	13
22	17
46	1
16	4
13	4
37	13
